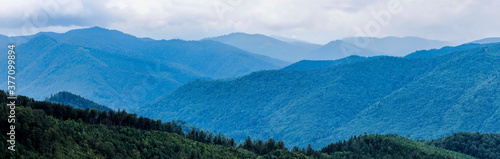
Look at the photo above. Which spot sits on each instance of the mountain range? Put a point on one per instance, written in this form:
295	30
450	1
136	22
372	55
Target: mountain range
339	49
124	70
120	70
261	44
238	85
210	84
396	46
295	50
445	92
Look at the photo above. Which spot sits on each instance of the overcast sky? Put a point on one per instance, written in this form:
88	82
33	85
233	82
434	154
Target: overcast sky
318	21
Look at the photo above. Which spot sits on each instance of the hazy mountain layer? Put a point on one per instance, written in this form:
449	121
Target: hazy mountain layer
296	50
123	71
339	49
396	46
264	45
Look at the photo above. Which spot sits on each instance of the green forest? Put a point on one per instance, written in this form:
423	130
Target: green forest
317	102
51	130
480	145
76	101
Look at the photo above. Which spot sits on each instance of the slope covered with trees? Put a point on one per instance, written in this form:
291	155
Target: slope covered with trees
385	146
68	98
484	146
54	138
442	51
421	97
50	130
460	93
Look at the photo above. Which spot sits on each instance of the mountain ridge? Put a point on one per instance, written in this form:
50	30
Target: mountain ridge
396	46
121	75
345	98
338	49
487	40
264	45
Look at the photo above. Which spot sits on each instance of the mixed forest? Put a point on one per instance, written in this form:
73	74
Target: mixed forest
51	130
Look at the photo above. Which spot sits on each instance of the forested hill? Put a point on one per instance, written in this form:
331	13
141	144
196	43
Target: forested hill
479	145
74	100
422	97
50	130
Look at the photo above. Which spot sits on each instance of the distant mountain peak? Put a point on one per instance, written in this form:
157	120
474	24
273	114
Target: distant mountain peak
241	35
335	42
94	31
338	49
96	28
289	40
238	33
265	45
42	39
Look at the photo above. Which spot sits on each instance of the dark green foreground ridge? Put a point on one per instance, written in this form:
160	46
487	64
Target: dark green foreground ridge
50	130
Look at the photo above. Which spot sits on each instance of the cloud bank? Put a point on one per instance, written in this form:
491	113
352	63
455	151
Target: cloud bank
318	21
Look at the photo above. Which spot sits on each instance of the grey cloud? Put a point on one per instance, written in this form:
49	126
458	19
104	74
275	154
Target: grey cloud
318	21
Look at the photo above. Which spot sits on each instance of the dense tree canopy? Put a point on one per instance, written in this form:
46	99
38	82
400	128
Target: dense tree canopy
480	145
50	130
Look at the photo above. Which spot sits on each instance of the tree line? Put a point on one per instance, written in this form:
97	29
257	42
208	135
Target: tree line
50	130
117	118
